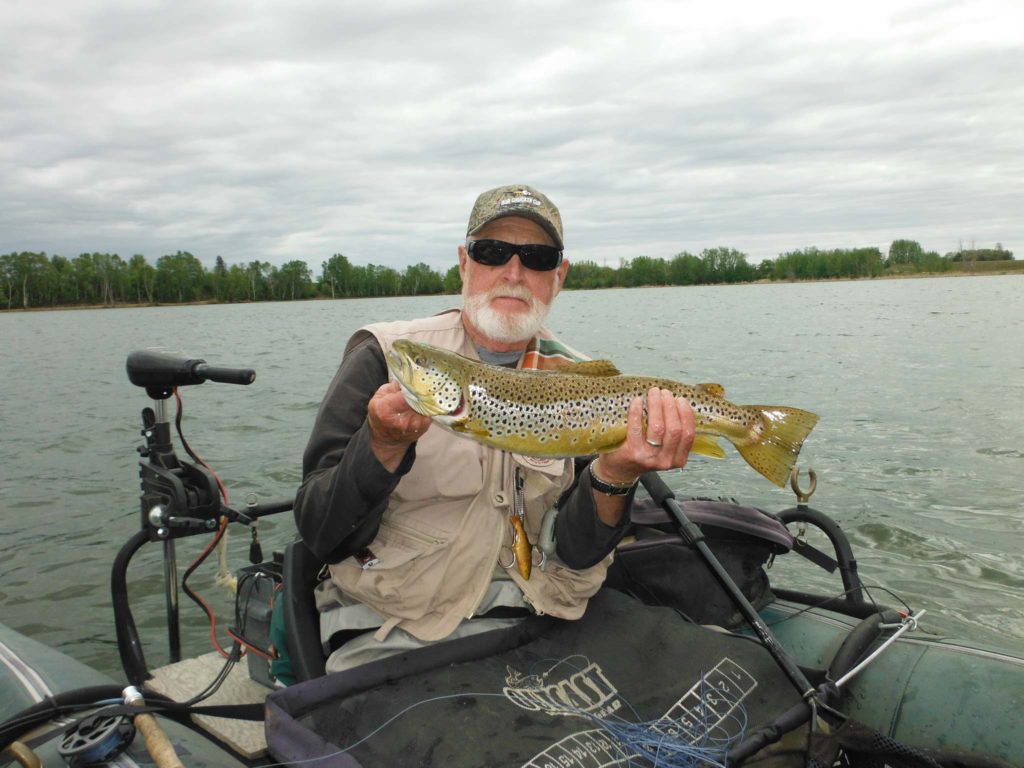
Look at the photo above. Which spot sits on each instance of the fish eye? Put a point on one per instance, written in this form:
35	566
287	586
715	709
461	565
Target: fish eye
420	360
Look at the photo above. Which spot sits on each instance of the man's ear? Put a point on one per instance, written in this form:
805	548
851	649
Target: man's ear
563	269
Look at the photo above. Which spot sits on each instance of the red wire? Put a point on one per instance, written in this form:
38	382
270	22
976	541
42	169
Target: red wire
209	547
193	454
202	603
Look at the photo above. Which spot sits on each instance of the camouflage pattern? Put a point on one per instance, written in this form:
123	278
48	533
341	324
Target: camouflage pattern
516	200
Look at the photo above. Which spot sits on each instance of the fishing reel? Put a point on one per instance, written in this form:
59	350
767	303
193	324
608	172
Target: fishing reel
96	740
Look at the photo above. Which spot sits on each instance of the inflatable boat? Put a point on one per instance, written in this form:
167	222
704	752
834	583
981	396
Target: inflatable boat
691	654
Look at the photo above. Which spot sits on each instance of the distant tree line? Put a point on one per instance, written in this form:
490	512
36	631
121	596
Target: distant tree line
36	280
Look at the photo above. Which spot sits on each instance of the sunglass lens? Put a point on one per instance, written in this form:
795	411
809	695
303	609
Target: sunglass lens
541	258
494	253
490	253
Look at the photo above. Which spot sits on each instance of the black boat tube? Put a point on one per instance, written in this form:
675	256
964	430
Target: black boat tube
852	586
694	537
857	643
129	646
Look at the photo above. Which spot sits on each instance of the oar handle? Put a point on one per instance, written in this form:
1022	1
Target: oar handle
157	743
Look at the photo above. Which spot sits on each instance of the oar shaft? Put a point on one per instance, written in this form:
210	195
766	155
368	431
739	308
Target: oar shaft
663	495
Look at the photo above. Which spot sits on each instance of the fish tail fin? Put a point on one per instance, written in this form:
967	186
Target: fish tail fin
775	449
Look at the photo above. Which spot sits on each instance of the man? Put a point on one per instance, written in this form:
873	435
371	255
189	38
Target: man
416	523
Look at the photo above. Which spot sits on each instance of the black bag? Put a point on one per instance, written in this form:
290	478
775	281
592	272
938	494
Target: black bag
655	565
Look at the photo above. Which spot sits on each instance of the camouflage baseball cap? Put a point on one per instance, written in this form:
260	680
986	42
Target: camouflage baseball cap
516	200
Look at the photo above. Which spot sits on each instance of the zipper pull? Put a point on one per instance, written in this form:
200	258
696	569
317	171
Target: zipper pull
519	505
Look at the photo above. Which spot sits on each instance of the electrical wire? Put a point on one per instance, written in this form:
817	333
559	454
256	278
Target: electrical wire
195	597
179	412
219	538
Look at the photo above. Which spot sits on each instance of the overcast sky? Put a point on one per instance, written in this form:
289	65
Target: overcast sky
295	130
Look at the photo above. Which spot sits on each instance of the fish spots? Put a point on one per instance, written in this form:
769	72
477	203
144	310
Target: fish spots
566	414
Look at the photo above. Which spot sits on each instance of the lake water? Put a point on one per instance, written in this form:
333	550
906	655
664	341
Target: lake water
919	452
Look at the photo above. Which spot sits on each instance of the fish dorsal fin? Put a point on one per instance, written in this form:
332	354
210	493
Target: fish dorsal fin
591	368
715	390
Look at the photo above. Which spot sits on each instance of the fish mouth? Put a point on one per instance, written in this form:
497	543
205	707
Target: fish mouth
404	372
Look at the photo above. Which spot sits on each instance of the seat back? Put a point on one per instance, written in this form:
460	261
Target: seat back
302	622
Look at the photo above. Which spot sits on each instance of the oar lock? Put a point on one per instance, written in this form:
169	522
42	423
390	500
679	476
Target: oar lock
803	496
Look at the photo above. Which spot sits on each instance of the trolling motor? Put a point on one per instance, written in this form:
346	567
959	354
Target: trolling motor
178	498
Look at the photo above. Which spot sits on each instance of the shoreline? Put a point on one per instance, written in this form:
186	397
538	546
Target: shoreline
763	281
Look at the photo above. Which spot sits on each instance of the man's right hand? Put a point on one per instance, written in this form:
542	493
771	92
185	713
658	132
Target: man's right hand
394	426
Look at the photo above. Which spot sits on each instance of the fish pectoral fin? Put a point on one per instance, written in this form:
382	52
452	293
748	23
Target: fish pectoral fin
707	445
471	428
591	368
716	390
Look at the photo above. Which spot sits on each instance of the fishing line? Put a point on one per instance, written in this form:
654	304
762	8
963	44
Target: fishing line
382	726
666	743
660	743
826	600
643	735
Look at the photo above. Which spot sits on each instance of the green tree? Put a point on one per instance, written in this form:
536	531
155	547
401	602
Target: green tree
260	279
725	265
27	278
179	278
419	279
644	270
453	280
141	278
294	280
336	274
587	275
219	280
685	269
905	252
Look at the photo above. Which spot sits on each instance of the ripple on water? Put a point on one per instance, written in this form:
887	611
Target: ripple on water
917	454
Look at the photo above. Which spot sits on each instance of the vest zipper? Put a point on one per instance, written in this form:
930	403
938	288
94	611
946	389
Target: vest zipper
496	549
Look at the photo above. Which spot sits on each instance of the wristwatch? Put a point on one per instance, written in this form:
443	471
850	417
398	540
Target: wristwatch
609	489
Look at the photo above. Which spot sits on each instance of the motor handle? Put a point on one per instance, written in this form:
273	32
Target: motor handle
157	369
223	375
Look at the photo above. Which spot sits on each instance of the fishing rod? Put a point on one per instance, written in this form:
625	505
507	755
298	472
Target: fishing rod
694	537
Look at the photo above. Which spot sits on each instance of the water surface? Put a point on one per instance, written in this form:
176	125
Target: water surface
919	452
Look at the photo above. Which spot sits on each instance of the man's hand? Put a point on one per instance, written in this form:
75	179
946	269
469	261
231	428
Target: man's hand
665	444
393	425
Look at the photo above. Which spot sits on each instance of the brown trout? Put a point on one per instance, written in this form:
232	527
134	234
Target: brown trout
581	409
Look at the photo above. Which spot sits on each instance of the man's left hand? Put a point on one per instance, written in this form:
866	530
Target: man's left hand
664	444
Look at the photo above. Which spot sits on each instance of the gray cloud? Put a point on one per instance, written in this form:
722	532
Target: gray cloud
299	130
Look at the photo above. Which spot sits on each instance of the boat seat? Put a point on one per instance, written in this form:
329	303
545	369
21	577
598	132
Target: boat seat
300	572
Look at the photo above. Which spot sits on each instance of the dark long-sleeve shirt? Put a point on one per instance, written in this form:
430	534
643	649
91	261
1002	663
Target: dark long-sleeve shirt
345	489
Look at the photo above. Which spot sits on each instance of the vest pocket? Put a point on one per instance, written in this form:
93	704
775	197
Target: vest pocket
403	554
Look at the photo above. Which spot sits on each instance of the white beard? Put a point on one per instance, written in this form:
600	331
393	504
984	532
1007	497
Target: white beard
501	327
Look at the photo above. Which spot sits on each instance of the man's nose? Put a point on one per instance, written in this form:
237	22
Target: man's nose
514	270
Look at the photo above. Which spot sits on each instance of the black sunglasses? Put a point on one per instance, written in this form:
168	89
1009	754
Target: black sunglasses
494	253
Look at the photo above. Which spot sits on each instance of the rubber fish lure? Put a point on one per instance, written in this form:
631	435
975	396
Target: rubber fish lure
581	409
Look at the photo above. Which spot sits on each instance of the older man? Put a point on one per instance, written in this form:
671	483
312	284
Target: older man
416	522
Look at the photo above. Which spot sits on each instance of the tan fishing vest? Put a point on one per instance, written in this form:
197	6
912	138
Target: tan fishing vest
448	519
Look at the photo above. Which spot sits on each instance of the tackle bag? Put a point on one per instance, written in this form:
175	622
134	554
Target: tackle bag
654	564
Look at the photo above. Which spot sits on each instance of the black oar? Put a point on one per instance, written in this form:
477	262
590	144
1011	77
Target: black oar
694	537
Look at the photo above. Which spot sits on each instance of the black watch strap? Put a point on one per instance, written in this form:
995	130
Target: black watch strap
608	489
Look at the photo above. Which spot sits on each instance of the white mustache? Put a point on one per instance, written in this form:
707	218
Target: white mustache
511	292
